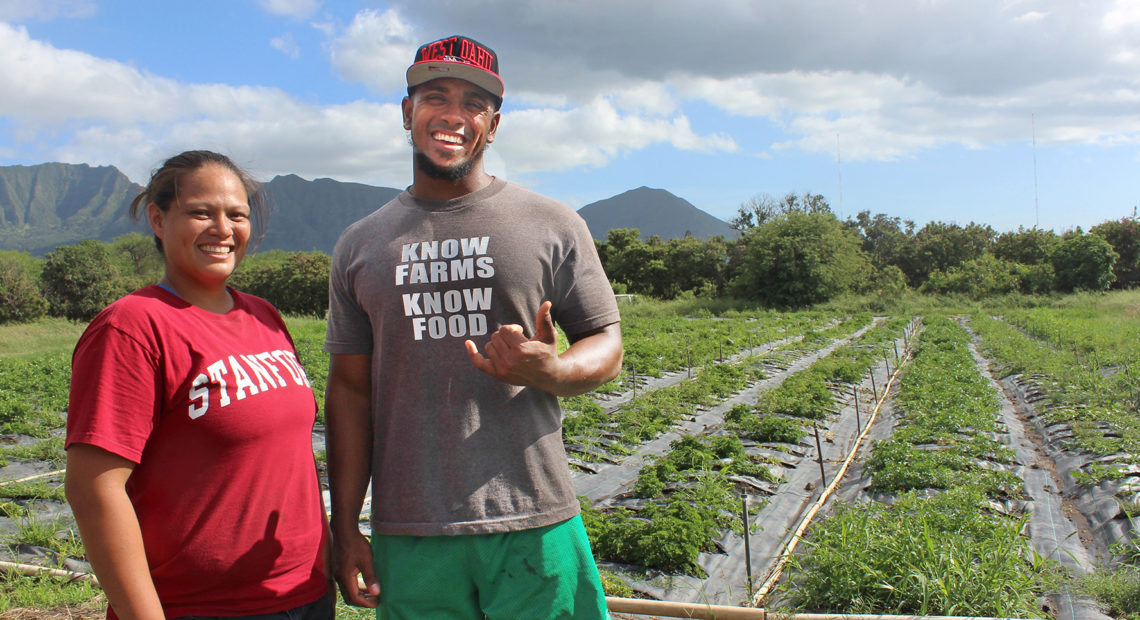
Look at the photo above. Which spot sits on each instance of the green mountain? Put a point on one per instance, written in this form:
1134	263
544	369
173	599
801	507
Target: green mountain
45	206
310	215
48	205
652	212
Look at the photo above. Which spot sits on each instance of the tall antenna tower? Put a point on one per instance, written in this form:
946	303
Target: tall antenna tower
1033	125
839	168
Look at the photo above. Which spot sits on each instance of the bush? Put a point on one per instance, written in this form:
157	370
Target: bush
80	280
985	276
20	297
1084	263
295	283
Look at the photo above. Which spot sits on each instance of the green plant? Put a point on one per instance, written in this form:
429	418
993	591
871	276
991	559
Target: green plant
613	585
1117	590
946	555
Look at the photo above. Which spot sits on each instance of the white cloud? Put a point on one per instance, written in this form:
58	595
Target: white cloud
592	135
1124	14
44	10
1031	16
133	120
286	45
299	9
375	50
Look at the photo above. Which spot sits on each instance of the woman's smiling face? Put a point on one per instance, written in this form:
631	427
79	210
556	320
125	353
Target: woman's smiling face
206	230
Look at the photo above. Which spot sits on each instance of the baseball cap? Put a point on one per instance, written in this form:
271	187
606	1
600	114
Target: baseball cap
460	57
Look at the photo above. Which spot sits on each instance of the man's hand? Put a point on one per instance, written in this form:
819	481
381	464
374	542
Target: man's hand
353	557
513	358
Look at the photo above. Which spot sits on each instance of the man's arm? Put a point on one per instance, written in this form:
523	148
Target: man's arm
348	424
593	358
96	489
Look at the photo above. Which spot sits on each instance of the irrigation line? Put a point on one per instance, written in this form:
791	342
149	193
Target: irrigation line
790	546
43	475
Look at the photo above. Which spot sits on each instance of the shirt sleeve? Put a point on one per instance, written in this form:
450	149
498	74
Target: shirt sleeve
349	329
585	299
116	392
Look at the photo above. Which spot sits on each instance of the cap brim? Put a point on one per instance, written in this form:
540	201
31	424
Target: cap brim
429	70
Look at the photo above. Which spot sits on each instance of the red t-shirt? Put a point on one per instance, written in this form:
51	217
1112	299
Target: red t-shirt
218	415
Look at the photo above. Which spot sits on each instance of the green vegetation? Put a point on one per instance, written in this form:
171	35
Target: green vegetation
943	556
951	411
592	432
810	394
44	591
33	393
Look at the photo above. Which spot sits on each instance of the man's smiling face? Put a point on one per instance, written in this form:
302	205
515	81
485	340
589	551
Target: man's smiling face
451	123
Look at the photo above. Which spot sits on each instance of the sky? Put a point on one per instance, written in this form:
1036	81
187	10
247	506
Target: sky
1012	113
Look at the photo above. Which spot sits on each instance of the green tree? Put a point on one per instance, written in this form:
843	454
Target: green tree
1031	246
138	260
888	241
799	259
1124	237
80	280
640	266
1083	262
20	296
695	265
938	246
763	208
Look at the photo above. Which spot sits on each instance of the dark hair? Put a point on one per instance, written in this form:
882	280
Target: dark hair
162	189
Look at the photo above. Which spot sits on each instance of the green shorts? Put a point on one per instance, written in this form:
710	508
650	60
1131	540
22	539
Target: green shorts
546	572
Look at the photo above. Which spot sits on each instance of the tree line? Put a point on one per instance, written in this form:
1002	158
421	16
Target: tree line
792	252
77	281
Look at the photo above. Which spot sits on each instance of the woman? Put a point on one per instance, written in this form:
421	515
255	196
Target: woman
189	456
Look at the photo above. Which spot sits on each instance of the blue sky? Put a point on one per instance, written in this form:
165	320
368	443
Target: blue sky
921	109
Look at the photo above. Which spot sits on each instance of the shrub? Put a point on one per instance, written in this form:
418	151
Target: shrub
80	280
20	297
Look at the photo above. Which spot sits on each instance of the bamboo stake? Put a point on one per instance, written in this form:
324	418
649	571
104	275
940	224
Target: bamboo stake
32	569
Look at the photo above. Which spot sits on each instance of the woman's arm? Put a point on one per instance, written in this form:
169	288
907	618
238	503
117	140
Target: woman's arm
96	488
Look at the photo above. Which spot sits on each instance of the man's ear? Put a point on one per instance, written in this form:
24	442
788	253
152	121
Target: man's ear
406	106
494	127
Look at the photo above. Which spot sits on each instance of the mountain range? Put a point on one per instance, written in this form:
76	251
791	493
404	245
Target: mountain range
48	205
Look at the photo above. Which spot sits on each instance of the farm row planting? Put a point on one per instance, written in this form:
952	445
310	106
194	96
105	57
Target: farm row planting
687	500
594	432
1097	408
1087	404
939	546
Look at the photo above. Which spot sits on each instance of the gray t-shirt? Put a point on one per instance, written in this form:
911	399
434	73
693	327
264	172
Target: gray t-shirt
456	451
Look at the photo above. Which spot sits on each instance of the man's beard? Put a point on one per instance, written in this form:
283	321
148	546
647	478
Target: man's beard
454	173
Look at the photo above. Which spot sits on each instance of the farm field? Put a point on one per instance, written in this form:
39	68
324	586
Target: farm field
979	462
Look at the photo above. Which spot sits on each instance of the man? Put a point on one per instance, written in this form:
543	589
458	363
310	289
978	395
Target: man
473	510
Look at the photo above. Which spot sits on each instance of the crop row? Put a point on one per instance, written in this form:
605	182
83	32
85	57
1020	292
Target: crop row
684	502
653	345
1095	338
811	394
939	548
1099	407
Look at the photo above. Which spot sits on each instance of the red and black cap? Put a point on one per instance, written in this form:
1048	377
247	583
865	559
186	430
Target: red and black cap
457	57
